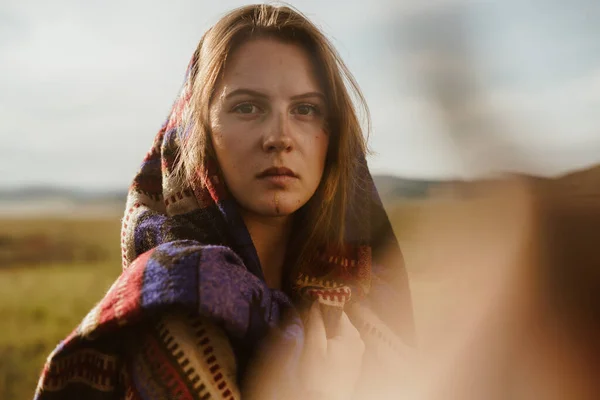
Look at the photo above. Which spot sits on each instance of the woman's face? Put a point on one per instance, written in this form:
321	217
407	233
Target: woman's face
268	127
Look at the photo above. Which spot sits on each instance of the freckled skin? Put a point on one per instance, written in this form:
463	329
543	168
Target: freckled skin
269	111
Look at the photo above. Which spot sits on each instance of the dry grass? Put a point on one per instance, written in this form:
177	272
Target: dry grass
41	304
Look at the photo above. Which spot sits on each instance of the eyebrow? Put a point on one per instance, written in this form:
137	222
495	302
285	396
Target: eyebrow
250	92
309	95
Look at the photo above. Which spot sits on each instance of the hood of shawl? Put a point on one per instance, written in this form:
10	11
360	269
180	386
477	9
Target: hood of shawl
335	277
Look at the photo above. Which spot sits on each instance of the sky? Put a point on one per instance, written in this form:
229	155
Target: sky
456	88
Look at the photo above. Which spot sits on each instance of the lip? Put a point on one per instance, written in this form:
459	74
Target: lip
279	177
277	172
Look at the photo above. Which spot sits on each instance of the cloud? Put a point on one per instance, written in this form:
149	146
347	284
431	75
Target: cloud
564	114
515	83
410	139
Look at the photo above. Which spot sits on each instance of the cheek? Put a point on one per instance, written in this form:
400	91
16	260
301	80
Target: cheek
224	139
232	135
222	133
233	149
224	152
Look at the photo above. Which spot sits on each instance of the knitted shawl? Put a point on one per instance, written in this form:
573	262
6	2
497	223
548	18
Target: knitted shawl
191	306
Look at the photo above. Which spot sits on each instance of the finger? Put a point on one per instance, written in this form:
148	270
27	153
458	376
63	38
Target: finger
316	338
345	328
331	317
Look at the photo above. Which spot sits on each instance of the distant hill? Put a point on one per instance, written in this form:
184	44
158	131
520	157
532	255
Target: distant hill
29	193
393	187
577	185
579	188
47	200
41	196
388	186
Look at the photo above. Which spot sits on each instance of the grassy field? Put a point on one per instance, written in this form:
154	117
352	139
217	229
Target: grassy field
41	303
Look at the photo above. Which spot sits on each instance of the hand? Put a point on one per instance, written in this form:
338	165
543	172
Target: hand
330	366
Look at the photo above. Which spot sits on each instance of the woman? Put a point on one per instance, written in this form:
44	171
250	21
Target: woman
257	257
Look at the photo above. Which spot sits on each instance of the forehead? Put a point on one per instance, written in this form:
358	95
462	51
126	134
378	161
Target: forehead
270	65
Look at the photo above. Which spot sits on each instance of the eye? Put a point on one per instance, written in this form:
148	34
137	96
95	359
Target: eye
246	108
307	110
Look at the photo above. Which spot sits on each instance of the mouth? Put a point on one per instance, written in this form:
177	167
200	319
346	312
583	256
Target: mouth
278	177
277	172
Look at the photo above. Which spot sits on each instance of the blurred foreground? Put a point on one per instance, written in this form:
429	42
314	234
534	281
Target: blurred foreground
504	276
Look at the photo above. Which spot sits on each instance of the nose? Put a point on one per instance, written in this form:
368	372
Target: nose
277	138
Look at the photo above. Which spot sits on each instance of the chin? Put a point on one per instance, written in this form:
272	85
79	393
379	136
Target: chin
281	210
266	204
269	208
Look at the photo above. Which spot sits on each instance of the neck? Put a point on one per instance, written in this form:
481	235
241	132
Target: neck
270	236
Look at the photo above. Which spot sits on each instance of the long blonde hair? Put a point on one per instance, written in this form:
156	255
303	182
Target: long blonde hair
324	215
